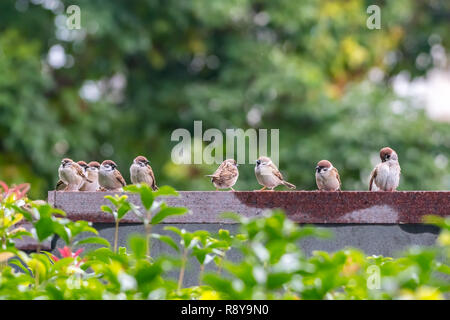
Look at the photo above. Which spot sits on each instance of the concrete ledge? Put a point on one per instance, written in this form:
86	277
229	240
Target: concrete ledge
347	207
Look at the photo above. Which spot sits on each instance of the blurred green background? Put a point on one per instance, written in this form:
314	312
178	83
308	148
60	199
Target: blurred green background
137	70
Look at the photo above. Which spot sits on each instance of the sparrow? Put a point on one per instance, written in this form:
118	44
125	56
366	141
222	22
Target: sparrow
327	176
109	178
141	172
386	175
83	166
92	173
268	175
70	174
226	175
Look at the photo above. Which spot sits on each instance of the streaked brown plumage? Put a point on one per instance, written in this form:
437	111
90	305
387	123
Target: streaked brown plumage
327	176
226	175
92	173
268	174
109	178
141	172
386	175
71	174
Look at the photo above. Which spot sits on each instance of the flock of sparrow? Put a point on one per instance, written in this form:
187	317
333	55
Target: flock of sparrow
82	176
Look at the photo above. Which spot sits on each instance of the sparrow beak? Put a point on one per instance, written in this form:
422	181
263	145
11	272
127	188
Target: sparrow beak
318	169
258	162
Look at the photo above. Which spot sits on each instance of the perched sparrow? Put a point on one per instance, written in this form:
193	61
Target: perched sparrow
92	173
71	174
83	165
109	177
226	175
60	185
141	172
386	175
268	175
327	176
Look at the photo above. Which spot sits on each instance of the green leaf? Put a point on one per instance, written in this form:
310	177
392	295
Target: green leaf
166	212
44	228
146	196
138	245
165	191
174	229
123	210
61	231
106	209
166	239
94	240
17	263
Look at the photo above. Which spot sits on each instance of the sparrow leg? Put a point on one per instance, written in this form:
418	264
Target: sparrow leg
217	189
262	189
232	189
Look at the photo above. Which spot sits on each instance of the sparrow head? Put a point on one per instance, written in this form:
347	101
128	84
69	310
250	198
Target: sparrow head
323	166
66	162
83	165
108	165
387	154
231	162
141	160
94	166
263	161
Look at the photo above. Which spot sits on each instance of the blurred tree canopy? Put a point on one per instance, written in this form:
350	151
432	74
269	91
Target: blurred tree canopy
137	70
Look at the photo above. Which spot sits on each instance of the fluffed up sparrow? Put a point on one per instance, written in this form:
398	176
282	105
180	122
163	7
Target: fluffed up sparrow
226	175
141	172
386	175
71	174
109	178
327	176
268	175
92	173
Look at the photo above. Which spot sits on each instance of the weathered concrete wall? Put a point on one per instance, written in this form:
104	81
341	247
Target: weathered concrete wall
379	223
384	240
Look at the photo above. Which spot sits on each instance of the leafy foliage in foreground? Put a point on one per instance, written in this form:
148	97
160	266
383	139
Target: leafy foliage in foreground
272	265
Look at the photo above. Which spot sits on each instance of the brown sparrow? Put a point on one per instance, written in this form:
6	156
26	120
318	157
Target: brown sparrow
60	186
71	174
141	172
83	165
226	175
386	175
109	178
268	175
92	173
327	176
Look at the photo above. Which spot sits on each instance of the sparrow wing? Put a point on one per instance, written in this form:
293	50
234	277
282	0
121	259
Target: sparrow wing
119	178
217	173
150	172
227	173
276	172
60	185
337	177
373	175
80	172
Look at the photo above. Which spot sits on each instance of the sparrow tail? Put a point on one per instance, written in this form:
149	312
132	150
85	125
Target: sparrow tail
289	185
